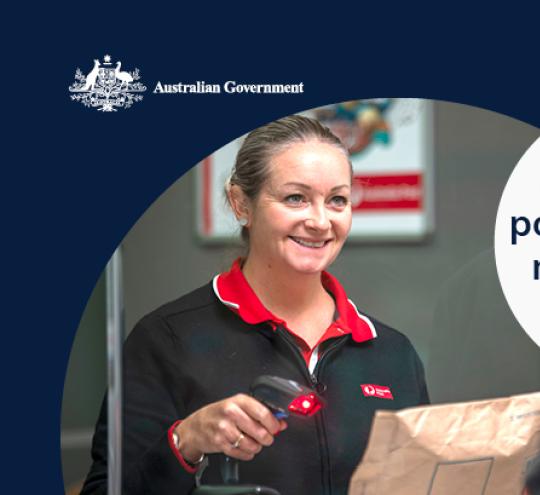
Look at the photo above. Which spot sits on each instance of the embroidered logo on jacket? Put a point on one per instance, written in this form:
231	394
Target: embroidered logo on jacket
380	391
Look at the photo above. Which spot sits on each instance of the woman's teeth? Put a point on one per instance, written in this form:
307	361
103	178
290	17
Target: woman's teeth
318	244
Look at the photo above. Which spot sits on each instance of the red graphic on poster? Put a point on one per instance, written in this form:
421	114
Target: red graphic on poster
387	192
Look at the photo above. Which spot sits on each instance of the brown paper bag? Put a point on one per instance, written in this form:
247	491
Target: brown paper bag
470	448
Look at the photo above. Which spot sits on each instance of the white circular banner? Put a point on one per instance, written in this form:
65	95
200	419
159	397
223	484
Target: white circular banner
517	242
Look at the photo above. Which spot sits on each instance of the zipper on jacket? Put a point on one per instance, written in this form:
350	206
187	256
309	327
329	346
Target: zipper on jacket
313	379
318	385
328	351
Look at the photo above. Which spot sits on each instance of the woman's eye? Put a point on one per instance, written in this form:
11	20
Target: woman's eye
339	201
294	199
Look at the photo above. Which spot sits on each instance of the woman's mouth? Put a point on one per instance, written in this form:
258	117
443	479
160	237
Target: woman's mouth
309	244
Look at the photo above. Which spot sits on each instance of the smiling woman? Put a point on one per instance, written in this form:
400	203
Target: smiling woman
302	215
277	311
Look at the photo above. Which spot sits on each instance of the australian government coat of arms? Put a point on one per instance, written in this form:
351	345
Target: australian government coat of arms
107	87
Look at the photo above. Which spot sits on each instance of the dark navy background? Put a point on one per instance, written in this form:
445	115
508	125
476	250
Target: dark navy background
76	180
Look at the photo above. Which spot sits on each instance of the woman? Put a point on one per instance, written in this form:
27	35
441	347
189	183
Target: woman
278	312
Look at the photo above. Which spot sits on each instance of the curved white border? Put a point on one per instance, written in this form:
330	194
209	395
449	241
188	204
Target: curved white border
365	318
216	291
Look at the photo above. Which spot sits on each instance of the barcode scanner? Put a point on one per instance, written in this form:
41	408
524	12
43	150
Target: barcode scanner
283	397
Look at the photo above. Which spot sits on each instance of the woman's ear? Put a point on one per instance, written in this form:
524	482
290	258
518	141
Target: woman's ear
239	204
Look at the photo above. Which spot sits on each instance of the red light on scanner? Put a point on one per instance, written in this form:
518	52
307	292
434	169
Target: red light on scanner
306	405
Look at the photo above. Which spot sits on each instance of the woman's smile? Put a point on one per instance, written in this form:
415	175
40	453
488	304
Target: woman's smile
313	244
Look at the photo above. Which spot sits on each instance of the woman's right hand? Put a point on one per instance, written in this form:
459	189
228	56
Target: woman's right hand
239	426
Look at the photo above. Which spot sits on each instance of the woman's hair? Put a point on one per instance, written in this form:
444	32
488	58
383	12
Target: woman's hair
252	166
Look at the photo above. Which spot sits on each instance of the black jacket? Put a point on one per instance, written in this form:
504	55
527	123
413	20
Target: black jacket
195	351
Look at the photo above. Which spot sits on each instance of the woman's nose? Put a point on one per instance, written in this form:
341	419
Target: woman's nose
318	218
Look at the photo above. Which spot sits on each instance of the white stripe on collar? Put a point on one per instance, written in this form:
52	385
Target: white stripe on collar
313	360
216	291
365	318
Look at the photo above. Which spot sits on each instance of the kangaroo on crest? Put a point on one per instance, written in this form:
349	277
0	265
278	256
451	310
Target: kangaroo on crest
91	77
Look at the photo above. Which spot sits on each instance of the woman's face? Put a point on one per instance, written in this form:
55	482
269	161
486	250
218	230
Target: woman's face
302	215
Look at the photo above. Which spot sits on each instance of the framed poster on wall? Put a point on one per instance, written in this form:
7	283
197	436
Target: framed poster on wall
390	141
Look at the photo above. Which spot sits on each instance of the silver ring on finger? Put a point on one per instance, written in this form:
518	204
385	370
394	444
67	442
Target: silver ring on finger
236	444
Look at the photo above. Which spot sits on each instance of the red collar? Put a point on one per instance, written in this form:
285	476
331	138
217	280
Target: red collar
233	290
